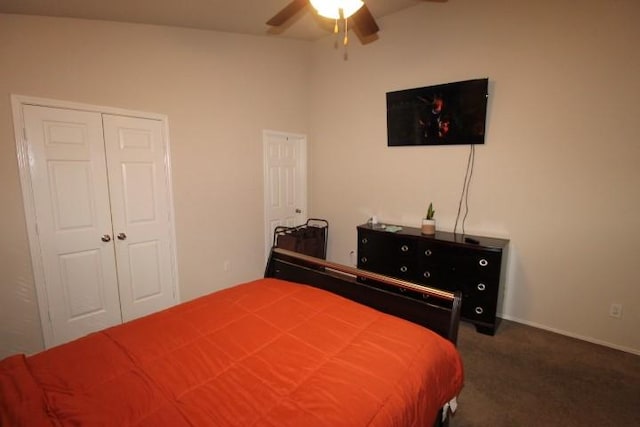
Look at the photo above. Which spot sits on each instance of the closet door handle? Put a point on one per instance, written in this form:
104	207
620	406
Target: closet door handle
122	236
106	238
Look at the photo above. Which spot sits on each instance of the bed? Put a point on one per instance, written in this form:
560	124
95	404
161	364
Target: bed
290	349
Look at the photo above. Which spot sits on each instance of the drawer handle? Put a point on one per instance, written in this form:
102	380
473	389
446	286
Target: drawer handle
363	259
364	241
404	248
428	252
481	286
479	310
404	268
426	274
483	262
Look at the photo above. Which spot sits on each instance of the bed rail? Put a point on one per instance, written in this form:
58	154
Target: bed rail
439	310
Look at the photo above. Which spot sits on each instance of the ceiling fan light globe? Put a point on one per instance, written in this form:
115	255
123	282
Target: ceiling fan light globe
331	8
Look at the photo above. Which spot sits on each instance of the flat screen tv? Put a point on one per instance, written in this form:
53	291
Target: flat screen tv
445	114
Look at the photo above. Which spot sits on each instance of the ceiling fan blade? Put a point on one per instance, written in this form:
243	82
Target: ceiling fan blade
364	22
287	13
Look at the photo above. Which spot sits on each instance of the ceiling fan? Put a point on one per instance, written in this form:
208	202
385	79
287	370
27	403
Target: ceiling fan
361	20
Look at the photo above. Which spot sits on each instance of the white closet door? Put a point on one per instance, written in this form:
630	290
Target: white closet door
139	180
73	218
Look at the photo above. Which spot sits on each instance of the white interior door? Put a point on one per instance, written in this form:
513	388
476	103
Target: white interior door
285	182
97	195
73	219
139	182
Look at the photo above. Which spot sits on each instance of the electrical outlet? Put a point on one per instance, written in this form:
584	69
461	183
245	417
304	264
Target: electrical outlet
615	310
227	266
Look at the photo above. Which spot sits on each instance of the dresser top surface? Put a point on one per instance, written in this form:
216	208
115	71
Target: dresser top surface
483	241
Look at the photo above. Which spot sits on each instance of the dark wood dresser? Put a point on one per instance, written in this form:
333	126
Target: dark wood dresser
445	261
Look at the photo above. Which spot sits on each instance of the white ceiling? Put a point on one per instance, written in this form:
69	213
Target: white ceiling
238	16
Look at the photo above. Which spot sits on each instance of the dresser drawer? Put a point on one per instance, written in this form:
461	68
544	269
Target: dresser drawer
479	310
477	264
434	266
384	253
371	253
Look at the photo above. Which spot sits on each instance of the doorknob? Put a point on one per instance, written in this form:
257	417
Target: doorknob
122	236
298	210
106	238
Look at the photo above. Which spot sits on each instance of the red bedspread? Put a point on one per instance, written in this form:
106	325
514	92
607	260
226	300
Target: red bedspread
265	353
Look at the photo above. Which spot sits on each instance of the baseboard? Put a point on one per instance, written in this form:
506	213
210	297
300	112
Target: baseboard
572	335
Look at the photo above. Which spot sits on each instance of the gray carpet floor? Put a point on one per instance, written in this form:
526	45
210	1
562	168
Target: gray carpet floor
524	376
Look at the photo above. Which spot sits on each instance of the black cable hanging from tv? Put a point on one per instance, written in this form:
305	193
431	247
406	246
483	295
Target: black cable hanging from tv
465	190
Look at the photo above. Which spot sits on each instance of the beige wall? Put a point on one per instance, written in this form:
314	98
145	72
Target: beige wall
218	90
558	174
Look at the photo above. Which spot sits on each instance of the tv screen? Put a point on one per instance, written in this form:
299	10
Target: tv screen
445	114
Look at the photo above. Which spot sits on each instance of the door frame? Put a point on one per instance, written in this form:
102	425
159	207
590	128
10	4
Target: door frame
23	156
302	165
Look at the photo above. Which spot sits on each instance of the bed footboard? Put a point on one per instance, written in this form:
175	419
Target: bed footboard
439	310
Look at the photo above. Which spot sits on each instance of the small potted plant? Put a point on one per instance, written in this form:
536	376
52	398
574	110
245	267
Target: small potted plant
428	223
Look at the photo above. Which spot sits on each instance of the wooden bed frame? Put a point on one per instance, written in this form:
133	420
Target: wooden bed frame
168	368
439	310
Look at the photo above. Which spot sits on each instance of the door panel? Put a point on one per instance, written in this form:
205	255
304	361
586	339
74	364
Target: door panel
71	202
285	182
139	180
83	284
145	279
71	194
139	192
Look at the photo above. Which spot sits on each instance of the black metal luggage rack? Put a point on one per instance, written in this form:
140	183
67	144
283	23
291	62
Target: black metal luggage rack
309	238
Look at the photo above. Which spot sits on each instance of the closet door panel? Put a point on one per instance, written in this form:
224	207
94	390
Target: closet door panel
71	201
139	180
